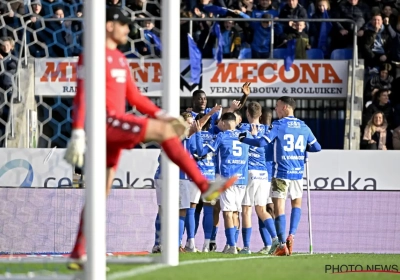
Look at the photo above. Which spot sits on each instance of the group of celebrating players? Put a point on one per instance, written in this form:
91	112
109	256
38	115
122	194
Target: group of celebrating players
239	154
258	154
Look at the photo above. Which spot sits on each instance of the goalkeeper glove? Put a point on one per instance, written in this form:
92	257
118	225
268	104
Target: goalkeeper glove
179	125
242	136
76	147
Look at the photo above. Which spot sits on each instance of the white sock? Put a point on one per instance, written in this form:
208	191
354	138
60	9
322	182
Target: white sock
206	243
190	243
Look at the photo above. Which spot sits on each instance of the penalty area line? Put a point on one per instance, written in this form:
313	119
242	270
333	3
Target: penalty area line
151	268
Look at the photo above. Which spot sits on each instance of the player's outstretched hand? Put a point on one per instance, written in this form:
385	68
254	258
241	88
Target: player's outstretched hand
235	105
242	136
76	147
246	88
215	109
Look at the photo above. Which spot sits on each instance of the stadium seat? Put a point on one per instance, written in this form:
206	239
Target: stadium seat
245	53
315	54
280	53
342	54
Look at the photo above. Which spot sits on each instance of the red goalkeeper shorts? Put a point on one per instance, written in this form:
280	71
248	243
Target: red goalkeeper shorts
123	132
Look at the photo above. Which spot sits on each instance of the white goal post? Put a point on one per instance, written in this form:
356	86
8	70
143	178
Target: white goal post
95	214
171	103
95	89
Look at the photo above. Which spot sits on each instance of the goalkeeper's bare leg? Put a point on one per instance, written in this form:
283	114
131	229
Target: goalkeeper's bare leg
126	132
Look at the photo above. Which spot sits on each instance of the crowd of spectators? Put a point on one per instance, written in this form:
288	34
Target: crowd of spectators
377	23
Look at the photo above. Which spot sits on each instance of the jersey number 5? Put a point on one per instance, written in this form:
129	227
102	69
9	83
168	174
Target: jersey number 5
237	148
292	143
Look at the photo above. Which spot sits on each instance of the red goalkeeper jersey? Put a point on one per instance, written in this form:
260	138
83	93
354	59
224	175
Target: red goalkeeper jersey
119	88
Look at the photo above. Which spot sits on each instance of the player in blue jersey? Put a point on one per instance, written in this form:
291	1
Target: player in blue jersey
258	188
199	103
266	119
232	159
206	165
291	138
184	195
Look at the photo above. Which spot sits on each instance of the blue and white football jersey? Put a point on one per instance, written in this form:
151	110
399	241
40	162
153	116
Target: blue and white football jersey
205	163
289	137
214	129
256	154
232	154
269	159
186	144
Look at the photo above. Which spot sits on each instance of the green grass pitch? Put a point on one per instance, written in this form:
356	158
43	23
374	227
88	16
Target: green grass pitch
218	266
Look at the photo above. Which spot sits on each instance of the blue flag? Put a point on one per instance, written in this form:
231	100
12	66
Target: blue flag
323	33
289	57
216	10
220	43
156	39
195	60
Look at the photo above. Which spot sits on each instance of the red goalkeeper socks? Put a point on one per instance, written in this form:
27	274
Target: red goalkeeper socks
177	153
80	243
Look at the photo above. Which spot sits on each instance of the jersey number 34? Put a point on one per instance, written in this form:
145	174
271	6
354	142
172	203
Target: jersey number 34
293	144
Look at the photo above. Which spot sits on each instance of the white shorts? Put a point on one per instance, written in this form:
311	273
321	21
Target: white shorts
282	187
269	192
257	190
194	193
231	199
184	193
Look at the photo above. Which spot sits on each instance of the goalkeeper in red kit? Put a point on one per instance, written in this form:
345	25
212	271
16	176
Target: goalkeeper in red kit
125	131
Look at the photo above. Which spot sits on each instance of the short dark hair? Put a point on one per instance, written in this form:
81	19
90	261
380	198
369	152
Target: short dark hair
288	101
254	109
379	93
228	117
197	92
377	14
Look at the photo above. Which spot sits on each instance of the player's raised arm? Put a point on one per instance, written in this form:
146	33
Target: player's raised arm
238	105
263	141
217	108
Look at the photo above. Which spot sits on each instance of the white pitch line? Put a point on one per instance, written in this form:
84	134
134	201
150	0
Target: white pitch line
151	268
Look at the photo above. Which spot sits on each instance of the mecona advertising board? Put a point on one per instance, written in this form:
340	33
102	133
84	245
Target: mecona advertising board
306	78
